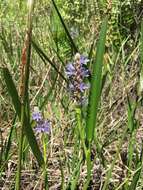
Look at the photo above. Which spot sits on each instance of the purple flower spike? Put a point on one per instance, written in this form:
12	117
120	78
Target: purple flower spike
77	72
37	116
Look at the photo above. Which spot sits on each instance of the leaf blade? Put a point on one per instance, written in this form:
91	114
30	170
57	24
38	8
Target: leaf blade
17	105
96	82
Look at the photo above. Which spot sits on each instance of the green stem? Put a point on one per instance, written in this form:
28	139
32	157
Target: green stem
87	152
89	168
18	176
45	161
81	130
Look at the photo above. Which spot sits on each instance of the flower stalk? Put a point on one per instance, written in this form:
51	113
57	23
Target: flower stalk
43	127
77	74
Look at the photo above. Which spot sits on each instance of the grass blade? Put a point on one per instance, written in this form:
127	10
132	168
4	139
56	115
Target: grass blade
8	145
44	56
65	28
141	58
137	174
109	173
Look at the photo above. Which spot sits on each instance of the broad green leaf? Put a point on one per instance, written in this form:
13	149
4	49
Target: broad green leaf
96	83
12	91
17	105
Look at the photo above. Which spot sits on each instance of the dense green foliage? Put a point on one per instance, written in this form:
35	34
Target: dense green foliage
92	144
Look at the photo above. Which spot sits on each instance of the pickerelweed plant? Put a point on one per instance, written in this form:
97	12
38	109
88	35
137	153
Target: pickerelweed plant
77	74
42	127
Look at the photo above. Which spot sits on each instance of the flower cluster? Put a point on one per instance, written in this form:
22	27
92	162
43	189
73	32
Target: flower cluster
42	126
77	72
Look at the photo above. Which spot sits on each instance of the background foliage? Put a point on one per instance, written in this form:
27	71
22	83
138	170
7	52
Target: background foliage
116	154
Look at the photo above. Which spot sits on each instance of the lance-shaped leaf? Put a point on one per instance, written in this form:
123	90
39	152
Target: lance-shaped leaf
17	105
96	83
12	91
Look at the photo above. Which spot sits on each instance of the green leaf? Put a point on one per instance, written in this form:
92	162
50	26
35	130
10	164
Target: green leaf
12	91
131	114
44	57
17	105
96	84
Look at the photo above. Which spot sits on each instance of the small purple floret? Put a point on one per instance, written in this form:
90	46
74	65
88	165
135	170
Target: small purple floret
70	70
84	60
85	72
37	116
43	127
83	87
